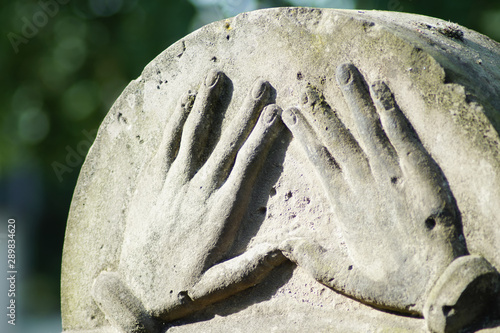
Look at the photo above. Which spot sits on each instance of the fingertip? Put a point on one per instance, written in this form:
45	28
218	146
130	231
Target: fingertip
213	78
271	112
345	73
289	116
304	98
310	95
187	100
260	89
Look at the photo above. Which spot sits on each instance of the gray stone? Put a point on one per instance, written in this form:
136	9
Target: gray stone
376	205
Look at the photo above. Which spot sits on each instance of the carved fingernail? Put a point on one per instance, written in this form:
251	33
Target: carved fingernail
304	99
270	113
259	88
184	99
212	78
290	116
187	100
344	73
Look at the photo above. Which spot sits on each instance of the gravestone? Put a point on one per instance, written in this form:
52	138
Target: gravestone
295	170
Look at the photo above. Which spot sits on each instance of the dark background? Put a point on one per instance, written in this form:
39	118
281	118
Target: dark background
63	63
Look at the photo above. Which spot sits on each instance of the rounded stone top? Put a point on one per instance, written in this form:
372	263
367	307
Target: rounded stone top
445	78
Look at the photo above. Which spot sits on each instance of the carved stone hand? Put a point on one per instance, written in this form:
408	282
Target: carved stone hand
187	207
394	208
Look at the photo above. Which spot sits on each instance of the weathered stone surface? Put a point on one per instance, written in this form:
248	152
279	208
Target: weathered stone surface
444	79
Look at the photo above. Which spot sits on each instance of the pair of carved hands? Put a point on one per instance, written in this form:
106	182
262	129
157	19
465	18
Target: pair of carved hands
389	198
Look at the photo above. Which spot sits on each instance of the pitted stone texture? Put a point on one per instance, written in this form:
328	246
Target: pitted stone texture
448	88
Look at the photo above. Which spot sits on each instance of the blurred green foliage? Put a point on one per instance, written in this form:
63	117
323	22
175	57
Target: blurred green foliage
62	72
63	64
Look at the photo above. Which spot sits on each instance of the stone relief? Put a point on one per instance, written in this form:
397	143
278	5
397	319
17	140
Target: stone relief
390	224
396	211
399	218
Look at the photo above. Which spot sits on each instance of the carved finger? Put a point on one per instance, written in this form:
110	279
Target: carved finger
317	154
232	276
197	126
381	154
226	279
427	182
338	140
217	168
169	146
253	153
233	197
172	134
153	175
120	306
396	126
414	158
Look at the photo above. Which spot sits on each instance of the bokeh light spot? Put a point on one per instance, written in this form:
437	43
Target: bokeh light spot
70	27
26	97
80	100
33	126
70	54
